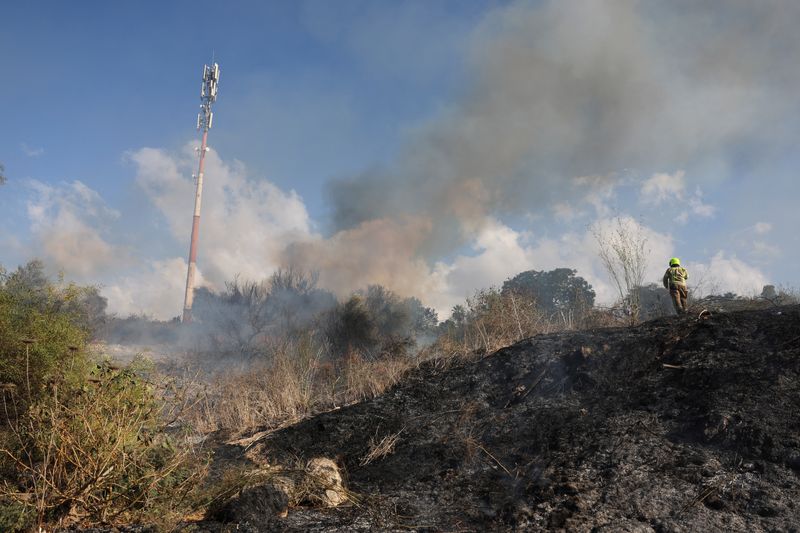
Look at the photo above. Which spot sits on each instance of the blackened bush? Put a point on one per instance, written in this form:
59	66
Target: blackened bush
378	323
350	328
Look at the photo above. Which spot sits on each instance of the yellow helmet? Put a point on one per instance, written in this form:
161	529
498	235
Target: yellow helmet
674	262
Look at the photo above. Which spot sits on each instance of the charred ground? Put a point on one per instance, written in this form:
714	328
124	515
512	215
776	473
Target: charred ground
680	424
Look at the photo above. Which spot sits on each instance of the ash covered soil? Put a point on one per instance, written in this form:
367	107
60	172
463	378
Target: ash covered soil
680	424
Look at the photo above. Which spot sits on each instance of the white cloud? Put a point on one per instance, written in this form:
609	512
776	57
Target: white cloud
700	208
762	228
723	273
599	190
31	151
765	251
65	222
565	212
501	252
752	241
662	187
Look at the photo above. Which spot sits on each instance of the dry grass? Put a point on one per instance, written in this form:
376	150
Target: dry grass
367	379
263	394
295	384
301	377
99	453
494	320
466	431
379	448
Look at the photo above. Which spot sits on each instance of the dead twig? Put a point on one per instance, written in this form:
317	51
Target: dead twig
484	450
530	388
699	498
381	448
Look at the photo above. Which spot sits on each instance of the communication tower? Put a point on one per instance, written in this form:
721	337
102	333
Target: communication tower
208	95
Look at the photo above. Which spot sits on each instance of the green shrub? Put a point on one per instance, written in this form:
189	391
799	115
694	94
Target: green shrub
79	442
41	332
99	453
14	516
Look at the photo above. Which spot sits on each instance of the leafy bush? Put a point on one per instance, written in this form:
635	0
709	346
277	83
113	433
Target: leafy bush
76	443
42	331
98	453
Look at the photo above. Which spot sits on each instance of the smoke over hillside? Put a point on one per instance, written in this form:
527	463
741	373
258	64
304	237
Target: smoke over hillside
568	101
569	112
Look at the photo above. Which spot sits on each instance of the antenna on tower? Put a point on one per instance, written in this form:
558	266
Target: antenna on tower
208	95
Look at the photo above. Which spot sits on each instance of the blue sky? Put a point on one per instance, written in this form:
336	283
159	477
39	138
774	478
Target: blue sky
87	81
433	146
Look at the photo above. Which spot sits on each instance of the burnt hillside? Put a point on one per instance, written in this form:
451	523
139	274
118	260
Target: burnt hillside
680	424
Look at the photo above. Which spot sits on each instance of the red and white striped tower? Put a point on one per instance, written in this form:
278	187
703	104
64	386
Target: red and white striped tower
208	95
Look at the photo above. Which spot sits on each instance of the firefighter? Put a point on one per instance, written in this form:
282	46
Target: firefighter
675	281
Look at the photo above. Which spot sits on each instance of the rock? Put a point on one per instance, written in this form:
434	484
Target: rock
324	483
259	503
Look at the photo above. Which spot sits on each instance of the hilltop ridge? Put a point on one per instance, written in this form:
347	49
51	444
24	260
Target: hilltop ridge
679	424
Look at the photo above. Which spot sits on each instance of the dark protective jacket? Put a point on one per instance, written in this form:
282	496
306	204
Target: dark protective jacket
676	275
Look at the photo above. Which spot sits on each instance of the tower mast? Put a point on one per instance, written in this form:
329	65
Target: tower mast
208	95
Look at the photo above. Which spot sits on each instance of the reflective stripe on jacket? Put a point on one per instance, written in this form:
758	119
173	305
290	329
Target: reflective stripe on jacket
676	275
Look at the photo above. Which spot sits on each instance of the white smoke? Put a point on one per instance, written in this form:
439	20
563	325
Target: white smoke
154	289
65	222
245	223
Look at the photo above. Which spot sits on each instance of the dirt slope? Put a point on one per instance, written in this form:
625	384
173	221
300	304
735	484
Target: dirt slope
587	431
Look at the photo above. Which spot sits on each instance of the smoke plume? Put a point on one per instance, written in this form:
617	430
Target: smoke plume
565	106
614	91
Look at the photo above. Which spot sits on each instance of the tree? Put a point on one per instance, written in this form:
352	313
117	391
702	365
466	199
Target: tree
623	252
2	174
351	327
378	322
769	293
387	312
28	284
654	302
779	296
455	326
553	291
246	313
294	301
233	319
424	320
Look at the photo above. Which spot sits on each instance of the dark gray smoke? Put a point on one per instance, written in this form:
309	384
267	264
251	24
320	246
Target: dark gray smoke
567	97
